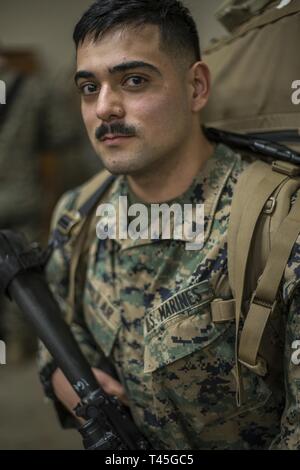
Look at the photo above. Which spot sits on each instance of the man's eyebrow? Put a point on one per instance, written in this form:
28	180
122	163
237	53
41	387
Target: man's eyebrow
123	67
134	64
83	74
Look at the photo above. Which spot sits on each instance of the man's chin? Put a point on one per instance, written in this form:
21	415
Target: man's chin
122	165
120	168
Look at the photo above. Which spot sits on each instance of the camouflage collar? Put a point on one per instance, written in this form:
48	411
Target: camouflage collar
206	189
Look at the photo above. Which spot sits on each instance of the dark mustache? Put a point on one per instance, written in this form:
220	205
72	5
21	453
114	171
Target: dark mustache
116	128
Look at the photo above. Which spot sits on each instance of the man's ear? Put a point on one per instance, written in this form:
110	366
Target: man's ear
199	84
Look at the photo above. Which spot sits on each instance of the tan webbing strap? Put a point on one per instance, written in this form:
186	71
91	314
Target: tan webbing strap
264	299
275	210
246	186
283	204
222	310
91	186
263	190
69	221
249	218
76	252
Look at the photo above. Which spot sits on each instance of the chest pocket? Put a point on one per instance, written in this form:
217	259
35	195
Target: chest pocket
191	360
179	326
101	315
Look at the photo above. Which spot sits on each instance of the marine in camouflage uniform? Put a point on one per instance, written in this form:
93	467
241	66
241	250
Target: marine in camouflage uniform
146	305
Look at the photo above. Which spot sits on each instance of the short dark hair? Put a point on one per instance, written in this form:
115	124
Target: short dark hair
178	31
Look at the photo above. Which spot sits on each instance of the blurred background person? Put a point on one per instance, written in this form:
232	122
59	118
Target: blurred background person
41	140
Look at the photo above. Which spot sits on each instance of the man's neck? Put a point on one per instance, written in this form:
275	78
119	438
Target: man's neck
174	176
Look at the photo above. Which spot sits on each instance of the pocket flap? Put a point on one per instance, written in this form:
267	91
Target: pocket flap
171	334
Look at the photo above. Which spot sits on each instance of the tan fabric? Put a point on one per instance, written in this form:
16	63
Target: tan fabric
253	72
222	310
265	297
232	13
80	234
255	187
240	236
253	223
252	75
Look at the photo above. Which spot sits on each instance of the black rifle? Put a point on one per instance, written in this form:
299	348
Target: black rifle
109	425
254	143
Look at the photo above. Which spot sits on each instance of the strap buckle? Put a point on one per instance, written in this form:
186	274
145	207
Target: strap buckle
222	310
260	368
263	303
286	168
260	365
270	205
67	221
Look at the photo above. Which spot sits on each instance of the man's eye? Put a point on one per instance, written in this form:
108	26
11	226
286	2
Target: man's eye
88	89
135	81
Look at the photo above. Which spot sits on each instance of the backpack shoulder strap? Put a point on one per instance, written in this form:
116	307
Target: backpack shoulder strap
244	191
71	221
263	300
73	227
260	202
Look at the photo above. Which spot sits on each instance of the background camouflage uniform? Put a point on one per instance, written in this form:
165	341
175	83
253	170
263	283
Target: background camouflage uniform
146	305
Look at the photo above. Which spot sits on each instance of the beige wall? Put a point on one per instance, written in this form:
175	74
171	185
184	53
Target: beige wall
208	26
47	26
44	25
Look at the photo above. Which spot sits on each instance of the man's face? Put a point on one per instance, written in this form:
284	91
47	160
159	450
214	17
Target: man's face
131	88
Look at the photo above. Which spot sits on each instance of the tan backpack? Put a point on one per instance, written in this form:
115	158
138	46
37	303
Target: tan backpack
263	229
253	80
256	77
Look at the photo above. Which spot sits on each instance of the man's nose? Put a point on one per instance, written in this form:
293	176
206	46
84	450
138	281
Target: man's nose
109	105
